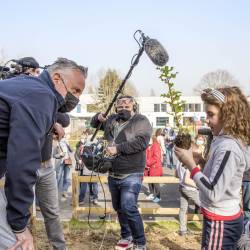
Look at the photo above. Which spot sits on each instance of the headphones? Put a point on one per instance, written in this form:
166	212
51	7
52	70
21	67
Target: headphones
127	97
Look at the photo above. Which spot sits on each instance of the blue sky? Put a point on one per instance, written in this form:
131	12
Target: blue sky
200	36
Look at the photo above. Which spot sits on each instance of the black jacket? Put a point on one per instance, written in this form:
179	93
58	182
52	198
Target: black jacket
131	142
28	107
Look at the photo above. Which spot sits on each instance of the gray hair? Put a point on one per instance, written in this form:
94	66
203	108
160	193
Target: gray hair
64	63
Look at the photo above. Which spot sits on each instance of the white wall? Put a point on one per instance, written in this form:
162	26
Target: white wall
146	107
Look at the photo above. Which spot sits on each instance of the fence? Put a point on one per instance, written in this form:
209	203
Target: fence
76	180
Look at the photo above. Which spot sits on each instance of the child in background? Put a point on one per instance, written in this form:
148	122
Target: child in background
188	190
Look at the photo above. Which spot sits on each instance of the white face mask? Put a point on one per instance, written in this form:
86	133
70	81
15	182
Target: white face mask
199	142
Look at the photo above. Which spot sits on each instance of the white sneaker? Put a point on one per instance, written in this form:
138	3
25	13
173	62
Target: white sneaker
124	244
150	197
95	202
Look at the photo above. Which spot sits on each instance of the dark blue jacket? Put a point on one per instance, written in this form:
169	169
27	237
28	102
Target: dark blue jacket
28	107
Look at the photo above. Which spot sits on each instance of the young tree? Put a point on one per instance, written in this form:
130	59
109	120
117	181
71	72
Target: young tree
173	97
108	85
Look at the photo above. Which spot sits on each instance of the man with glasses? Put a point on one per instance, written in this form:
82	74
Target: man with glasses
28	108
128	134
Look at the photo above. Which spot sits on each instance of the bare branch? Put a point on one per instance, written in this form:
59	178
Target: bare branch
216	79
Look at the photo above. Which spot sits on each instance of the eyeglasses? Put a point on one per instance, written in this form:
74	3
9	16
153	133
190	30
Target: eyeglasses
124	101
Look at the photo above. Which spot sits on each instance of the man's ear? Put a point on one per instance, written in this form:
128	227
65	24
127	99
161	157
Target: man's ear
56	79
56	76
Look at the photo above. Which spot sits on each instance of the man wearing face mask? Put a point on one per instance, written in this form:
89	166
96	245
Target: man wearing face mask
28	108
46	185
128	134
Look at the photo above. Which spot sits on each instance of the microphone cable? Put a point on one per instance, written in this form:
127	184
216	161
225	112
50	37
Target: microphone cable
102	218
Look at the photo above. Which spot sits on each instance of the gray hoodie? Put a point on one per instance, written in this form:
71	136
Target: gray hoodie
220	182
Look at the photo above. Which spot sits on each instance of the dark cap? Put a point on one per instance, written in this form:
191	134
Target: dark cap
28	62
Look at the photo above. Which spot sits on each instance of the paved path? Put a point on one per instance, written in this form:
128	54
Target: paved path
169	196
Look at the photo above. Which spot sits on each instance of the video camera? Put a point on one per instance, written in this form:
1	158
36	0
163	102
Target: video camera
17	67
95	159
9	72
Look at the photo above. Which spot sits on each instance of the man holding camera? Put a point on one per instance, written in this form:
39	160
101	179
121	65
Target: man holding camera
28	108
128	134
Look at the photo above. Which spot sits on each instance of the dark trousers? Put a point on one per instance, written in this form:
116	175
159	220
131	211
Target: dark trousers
93	190
124	194
155	189
246	199
221	235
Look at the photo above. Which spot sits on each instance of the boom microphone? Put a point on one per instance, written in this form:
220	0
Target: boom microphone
157	54
155	51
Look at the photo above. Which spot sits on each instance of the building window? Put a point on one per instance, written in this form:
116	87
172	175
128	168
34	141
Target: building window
156	107
186	107
137	108
161	121
191	107
197	107
163	107
78	108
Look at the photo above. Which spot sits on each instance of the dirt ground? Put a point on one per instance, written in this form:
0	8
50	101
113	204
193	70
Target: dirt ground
160	236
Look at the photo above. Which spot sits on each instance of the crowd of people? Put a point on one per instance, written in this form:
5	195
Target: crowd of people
36	161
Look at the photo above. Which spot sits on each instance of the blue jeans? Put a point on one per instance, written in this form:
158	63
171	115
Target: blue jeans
246	199
63	178
169	154
93	190
124	194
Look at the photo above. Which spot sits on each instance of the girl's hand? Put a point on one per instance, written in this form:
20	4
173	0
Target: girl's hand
186	157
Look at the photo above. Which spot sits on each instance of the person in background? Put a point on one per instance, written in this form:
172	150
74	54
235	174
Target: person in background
169	142
83	171
128	134
154	168
32	71
63	174
160	138
188	191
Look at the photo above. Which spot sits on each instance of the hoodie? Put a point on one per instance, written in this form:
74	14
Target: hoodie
220	182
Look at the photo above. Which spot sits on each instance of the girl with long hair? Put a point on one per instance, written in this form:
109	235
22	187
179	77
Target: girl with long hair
228	116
